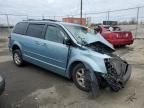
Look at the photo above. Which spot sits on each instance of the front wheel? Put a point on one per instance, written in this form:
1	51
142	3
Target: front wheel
17	57
78	76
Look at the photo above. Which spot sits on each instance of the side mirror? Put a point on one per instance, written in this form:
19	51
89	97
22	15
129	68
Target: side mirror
68	42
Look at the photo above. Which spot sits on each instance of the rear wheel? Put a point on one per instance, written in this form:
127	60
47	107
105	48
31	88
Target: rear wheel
78	76
17	57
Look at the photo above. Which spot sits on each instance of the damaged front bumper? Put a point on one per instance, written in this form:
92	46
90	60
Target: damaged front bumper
118	73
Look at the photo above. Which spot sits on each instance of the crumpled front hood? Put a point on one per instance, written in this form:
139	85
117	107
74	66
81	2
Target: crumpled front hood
98	38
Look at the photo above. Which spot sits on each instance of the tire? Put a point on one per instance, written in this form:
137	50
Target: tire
80	68
17	58
115	89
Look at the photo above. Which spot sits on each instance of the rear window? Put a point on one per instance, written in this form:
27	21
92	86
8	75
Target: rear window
20	28
113	28
35	30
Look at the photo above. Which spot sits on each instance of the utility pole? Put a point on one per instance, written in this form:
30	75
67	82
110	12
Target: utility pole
138	9
108	14
8	24
81	12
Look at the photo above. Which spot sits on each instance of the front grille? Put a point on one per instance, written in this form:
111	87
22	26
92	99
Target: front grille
116	66
116	69
119	66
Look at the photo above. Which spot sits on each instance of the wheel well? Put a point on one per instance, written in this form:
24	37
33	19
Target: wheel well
72	66
15	47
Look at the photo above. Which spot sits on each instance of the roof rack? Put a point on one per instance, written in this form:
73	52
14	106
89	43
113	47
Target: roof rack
42	20
50	20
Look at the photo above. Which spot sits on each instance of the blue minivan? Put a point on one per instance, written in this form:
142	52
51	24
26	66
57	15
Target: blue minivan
68	50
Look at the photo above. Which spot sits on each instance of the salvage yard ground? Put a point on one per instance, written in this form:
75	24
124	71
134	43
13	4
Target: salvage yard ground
33	87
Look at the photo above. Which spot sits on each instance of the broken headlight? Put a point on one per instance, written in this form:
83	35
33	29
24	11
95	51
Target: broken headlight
110	66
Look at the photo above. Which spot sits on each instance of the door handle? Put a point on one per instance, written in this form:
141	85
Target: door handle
37	42
44	44
41	44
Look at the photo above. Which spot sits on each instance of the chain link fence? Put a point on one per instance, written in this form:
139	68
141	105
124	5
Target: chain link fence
131	19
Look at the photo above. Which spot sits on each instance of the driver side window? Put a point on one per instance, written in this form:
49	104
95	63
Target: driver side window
54	34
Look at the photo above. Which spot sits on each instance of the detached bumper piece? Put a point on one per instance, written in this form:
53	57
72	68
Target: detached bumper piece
119	72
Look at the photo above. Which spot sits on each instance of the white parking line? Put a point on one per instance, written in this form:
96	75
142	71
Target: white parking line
3	49
5	58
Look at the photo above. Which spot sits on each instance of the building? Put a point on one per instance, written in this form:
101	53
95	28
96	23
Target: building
75	20
110	22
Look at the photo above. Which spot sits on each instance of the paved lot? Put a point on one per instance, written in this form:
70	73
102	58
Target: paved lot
33	87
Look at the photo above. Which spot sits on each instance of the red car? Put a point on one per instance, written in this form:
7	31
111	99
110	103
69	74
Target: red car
115	35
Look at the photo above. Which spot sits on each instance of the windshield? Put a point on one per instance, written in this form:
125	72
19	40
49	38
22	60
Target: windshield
80	33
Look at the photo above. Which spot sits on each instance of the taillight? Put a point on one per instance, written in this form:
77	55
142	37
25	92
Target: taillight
110	36
130	35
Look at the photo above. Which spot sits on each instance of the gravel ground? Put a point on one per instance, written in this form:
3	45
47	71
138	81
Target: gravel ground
33	87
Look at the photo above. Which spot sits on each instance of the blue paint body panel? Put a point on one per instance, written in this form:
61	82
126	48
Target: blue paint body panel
58	57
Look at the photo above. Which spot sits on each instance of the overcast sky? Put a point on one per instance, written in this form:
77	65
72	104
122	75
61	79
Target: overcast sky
63	7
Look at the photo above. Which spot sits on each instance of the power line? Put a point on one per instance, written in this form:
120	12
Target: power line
92	13
115	10
14	14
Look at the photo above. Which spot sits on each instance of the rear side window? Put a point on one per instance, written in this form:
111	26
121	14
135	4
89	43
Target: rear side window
20	28
35	30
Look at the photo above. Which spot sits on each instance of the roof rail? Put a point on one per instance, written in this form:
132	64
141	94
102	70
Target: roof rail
50	20
31	20
42	20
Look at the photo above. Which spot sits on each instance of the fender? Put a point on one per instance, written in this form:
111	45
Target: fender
88	62
18	44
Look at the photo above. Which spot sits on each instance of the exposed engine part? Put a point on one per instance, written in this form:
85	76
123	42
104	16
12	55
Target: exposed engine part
100	47
116	69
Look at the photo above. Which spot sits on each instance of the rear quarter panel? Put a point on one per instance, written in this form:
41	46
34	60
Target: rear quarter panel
15	40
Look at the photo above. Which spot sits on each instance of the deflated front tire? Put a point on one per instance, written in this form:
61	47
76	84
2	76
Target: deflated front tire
127	76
